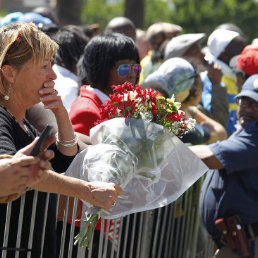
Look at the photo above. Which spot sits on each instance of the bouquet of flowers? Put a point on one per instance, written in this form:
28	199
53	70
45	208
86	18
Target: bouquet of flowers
136	146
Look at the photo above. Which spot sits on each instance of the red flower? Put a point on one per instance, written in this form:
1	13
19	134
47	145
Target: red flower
132	101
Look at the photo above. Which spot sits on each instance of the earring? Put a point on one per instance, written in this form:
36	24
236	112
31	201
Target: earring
6	96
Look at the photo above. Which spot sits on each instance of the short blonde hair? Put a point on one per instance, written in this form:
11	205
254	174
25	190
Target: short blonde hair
20	42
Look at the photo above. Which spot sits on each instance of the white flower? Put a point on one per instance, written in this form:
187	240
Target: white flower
146	116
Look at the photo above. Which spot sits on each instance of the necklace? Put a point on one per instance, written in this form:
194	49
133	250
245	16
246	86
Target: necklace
23	126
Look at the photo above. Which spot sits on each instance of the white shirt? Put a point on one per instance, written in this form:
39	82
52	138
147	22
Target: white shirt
66	84
101	95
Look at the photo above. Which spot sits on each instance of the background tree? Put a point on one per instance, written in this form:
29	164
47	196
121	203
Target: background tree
69	12
192	15
205	15
134	10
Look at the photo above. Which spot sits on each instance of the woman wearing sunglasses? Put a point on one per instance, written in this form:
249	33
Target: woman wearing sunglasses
107	60
110	59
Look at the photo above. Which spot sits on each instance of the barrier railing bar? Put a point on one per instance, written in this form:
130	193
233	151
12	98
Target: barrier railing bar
57	205
32	223
187	231
71	239
146	234
126	234
114	239
196	228
191	222
173	226
65	216
183	233
120	233
140	236
106	238
89	250
7	227
192	215
18	240
156	232
101	238
162	233
170	213
178	217
133	234
44	224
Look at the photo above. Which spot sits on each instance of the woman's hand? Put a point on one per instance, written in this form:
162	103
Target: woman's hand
103	194
50	98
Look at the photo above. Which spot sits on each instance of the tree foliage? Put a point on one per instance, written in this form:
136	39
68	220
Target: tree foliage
98	11
192	15
205	15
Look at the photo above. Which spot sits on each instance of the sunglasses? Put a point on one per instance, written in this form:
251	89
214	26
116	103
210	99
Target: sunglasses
124	69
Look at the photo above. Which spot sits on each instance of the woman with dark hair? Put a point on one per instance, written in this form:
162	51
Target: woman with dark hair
110	59
107	60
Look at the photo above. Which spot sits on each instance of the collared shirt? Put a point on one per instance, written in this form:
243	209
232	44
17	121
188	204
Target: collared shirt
234	189
101	95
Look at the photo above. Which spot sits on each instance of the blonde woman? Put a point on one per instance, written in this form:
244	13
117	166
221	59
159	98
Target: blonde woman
27	79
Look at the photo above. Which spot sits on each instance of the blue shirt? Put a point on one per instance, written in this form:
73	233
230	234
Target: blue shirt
234	189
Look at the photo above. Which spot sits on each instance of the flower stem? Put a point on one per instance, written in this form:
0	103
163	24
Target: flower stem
88	229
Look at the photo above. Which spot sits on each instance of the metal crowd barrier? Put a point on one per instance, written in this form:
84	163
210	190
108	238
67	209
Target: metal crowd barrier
174	231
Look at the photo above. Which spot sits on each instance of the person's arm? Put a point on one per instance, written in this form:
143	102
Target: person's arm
219	109
216	130
66	138
204	153
39	117
99	194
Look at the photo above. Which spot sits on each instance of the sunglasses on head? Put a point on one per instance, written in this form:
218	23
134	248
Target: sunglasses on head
124	69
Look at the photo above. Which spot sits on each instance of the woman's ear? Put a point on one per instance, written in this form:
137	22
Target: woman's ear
8	73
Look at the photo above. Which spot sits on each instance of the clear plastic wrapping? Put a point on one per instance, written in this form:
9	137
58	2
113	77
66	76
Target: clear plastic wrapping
151	164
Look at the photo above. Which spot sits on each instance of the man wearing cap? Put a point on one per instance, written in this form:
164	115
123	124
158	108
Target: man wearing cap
230	189
222	46
214	97
156	35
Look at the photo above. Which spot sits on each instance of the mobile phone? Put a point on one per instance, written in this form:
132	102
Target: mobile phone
42	139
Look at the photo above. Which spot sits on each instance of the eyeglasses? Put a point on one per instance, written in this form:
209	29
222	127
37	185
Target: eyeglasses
246	103
124	69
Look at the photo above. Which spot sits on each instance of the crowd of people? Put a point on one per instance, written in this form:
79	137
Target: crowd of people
61	75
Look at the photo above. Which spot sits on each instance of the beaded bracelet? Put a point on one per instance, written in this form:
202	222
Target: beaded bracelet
67	143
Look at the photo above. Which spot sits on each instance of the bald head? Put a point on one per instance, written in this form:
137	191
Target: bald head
121	25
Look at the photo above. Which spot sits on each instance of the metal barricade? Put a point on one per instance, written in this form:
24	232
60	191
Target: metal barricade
173	231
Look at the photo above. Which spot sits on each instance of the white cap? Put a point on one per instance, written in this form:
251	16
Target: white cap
219	40
255	42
